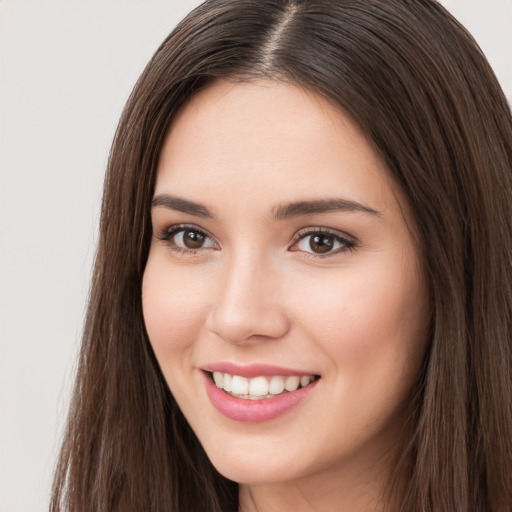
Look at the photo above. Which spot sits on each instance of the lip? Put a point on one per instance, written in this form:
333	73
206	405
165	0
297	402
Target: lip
253	370
255	411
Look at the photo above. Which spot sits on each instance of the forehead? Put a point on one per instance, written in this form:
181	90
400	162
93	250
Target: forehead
268	141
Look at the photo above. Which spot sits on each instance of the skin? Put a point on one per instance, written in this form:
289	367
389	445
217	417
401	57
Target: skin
256	292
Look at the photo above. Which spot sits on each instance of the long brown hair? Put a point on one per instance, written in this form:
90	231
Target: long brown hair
420	89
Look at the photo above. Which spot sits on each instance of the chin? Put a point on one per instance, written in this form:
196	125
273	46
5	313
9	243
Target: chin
255	468
243	473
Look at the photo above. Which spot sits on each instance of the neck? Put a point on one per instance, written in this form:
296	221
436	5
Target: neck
360	490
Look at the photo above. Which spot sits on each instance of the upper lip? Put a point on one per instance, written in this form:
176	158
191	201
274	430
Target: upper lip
253	370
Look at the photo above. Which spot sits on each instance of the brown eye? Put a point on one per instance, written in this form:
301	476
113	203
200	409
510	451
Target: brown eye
193	239
321	243
187	239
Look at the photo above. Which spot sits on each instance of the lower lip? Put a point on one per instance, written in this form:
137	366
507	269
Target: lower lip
254	411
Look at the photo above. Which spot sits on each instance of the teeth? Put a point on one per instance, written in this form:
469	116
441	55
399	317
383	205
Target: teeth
259	387
219	379
239	385
304	381
227	381
291	383
276	385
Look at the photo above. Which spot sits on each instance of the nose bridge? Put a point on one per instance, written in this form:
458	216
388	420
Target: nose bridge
247	303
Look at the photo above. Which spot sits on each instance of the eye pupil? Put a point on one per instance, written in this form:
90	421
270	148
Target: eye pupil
321	243
193	239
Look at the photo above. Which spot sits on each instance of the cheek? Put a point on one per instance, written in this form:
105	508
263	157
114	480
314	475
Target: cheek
172	309
373	330
371	321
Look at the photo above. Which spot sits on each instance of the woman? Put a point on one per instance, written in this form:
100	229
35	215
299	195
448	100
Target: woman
301	298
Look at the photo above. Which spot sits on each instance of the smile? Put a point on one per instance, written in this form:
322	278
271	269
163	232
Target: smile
261	387
255	398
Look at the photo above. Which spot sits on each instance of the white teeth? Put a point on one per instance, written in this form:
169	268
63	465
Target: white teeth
276	385
239	385
219	379
304	381
258	388
291	383
227	382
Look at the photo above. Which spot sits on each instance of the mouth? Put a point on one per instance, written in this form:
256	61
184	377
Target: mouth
260	387
257	392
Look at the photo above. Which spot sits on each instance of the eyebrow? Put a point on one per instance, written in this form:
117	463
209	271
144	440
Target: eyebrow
303	208
181	205
281	212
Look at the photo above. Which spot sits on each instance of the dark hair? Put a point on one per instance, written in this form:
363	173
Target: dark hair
420	89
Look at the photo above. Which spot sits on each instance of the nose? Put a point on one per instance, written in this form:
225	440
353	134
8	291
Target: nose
247	306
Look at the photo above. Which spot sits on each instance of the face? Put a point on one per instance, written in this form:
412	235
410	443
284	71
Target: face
283	296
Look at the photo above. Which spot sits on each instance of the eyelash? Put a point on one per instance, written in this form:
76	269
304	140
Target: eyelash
169	233
347	244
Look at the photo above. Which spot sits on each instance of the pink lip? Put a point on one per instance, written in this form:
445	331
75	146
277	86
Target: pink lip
254	411
253	370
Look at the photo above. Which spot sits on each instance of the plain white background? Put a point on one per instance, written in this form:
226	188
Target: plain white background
66	69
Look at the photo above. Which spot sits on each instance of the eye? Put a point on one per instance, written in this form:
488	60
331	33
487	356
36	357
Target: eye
322	242
186	239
